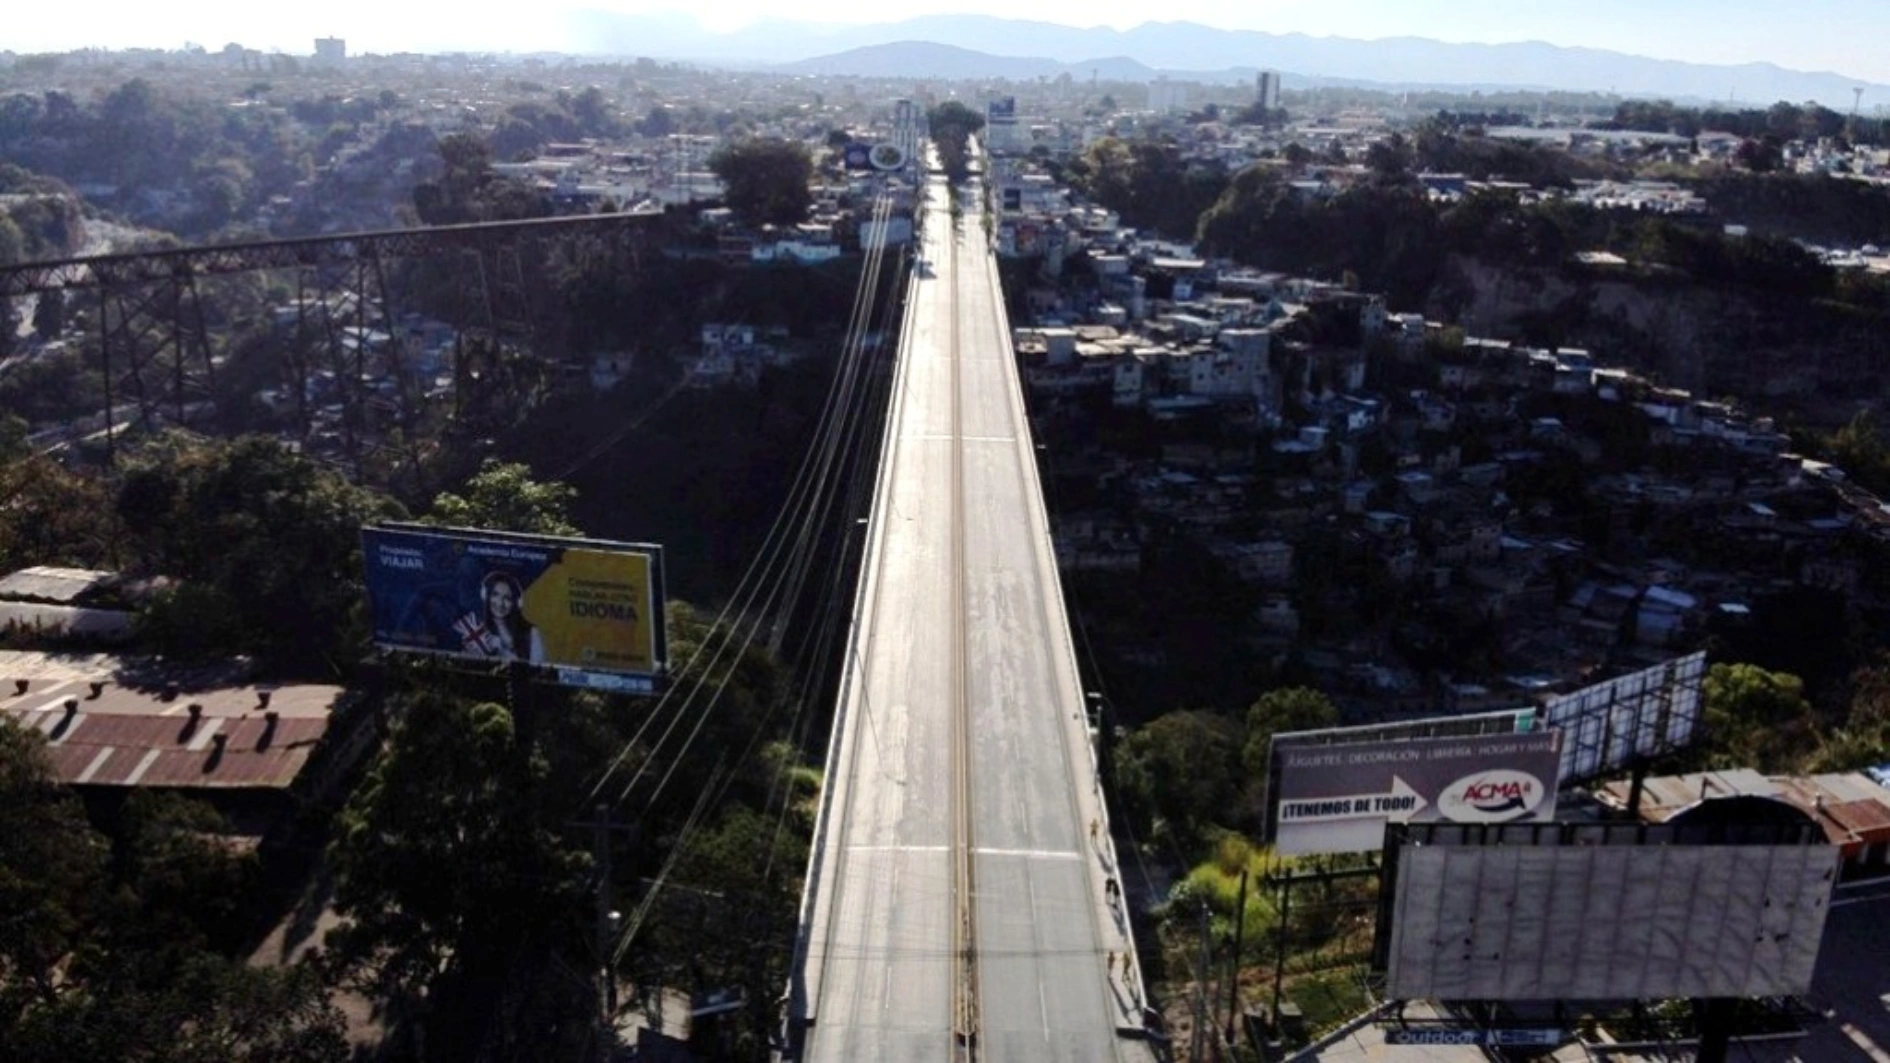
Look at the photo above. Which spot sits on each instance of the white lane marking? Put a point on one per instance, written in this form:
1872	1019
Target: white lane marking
898	848
1863	1041
1033	854
1043	1004
945	437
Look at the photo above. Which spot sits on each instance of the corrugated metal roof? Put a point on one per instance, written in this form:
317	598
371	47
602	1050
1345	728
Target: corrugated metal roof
1852	786
113	625
47	584
1664	795
137	671
1850	807
53	667
1845	816
100	733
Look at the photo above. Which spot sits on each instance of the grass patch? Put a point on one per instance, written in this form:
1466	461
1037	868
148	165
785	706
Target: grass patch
1329	998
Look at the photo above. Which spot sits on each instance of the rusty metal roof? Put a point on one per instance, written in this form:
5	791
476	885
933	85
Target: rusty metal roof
1664	795
100	733
1850	807
1847	812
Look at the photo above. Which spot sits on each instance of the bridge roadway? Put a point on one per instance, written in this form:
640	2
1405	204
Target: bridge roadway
961	731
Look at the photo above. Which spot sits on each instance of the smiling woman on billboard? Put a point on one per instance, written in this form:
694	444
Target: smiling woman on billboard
498	628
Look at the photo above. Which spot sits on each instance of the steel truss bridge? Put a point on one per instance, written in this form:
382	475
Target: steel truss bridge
156	316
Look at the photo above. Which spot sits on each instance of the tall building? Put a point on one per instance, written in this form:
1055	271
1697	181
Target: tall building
908	126
1266	90
1001	133
330	51
1167	97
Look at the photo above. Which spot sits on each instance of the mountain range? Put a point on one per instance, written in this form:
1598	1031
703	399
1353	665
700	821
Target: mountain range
985	47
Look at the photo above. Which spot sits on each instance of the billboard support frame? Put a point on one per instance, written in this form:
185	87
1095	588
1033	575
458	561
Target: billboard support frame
1640	710
1285	880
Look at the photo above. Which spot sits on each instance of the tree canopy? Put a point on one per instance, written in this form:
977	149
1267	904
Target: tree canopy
766	179
952	124
1180	771
1754	718
266	542
502	496
1149	185
1277	711
469	190
443	871
107	956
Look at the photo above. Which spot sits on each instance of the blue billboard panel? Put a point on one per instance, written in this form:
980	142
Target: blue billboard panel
590	612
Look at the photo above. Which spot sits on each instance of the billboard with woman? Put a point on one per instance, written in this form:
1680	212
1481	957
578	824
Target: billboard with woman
591	610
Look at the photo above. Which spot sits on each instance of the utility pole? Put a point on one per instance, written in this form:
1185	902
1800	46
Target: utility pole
605	927
1715	1018
606	919
1285	882
1233	978
1202	1017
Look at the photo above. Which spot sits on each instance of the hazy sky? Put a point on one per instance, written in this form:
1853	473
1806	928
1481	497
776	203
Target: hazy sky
1844	36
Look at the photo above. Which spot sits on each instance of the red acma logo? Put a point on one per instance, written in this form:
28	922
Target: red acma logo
1507	792
1491	796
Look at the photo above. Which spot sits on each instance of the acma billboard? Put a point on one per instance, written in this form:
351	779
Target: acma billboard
1338	798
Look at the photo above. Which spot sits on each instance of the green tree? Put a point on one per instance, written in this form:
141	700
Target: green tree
502	496
271	539
12	243
593	112
733	891
765	179
53	515
1760	154
193	1008
1278	711
1754	718
659	122
952	125
1180	772
13	443
106	959
193	889
1390	161
469	190
443	873
52	870
1858	448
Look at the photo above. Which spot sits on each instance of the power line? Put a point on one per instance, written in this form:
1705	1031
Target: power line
810	518
735	613
836	433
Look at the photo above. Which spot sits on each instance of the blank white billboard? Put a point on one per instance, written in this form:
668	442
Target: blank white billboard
1607	922
1641	714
